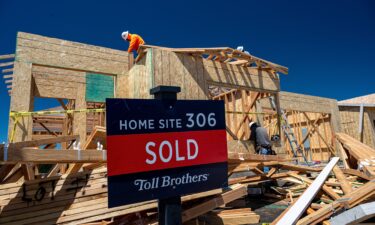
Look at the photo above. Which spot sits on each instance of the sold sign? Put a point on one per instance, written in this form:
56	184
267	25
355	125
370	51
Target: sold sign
160	149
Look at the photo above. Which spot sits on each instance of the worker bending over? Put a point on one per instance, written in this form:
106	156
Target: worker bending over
259	135
134	39
262	142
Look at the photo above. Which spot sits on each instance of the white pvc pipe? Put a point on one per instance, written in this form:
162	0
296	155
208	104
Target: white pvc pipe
360	125
295	212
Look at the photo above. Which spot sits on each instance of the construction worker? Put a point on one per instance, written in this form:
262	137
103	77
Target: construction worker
262	141
134	39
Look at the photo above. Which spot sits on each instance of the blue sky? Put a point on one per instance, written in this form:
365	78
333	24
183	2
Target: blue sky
329	46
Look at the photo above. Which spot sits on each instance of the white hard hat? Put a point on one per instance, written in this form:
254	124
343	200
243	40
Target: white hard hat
251	123
125	35
240	48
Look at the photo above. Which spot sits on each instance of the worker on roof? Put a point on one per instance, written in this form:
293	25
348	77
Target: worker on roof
134	39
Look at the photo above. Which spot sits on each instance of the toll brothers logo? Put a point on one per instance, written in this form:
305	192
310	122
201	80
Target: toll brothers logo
168	181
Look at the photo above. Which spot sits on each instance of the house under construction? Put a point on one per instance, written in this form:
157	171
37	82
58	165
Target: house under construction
52	186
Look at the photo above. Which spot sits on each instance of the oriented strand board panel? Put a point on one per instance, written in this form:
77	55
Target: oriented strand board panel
139	81
350	123
121	85
177	69
307	103
57	83
193	74
55	52
99	87
21	100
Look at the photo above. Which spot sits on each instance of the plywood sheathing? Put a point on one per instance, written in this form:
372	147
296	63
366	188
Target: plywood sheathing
55	68
223	54
58	83
193	74
350	123
59	53
22	99
307	103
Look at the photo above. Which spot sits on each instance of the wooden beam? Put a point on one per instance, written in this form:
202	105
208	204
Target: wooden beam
350	200
9	170
311	129
236	192
300	168
8	76
35	143
62	103
356	173
345	185
9	56
344	157
234	157
6	64
296	211
98	135
55	169
27	155
246	166
325	188
28	171
15	176
7	70
252	103
239	77
321	136
252	179
232	217
356	148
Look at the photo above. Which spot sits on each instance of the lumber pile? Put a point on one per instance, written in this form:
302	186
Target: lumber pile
361	156
79	196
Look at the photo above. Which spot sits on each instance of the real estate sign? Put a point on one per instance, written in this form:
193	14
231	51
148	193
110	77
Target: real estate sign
160	149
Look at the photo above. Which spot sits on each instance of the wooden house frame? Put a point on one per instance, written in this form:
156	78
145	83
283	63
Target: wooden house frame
358	120
53	68
78	76
314	120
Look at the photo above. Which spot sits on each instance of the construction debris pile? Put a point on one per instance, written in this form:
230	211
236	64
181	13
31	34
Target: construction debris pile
81	198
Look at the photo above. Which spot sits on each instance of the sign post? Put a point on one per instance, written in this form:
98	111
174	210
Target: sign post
163	148
169	209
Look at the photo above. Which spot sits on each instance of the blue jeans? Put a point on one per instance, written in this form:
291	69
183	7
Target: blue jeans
264	151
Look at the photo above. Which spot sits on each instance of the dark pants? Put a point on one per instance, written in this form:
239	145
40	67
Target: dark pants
265	151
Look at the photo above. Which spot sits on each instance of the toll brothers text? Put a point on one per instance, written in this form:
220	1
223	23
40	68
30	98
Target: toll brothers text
168	181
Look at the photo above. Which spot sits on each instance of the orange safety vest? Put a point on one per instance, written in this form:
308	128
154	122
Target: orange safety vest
135	42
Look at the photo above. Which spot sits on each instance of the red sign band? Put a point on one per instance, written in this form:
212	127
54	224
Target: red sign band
158	151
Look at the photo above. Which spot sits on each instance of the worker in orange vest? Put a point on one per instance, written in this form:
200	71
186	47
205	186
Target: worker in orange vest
134	39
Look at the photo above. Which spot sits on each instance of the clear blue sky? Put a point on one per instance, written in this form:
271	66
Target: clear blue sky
329	46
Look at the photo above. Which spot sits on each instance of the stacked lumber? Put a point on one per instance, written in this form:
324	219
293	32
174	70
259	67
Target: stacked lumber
67	199
360	155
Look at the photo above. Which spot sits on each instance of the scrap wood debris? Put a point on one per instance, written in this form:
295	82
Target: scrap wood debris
81	198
